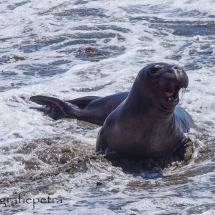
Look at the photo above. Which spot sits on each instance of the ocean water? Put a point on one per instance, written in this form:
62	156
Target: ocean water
70	49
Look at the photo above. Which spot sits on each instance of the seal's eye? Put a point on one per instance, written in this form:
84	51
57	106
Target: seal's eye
154	70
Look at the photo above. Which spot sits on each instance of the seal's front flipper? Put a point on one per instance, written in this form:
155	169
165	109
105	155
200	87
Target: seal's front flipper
184	120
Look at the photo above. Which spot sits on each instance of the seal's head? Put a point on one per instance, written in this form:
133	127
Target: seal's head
160	84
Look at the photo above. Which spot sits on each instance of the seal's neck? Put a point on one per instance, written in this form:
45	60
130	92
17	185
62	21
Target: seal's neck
146	103
144	108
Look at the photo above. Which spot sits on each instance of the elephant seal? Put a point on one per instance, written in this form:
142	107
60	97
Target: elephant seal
143	123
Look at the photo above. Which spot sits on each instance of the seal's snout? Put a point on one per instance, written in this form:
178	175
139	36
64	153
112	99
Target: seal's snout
173	79
179	76
170	73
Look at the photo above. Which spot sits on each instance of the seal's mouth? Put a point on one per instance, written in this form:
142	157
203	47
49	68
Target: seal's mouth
171	93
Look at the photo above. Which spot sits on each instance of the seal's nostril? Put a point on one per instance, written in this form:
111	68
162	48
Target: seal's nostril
175	67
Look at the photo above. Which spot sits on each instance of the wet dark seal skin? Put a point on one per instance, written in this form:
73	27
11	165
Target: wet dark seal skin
143	123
